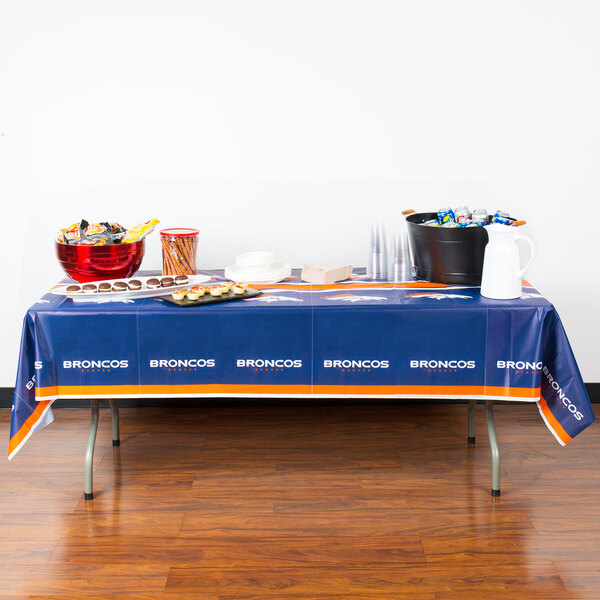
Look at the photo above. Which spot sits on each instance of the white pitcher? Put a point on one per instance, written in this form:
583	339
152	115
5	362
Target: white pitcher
502	273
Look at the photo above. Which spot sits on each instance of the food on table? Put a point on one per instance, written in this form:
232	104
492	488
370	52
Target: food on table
502	217
193	295
153	283
72	234
463	217
101	234
167	282
239	288
137	232
179	251
181	280
198	289
216	291
179	294
226	286
135	284
104	287
74	289
96	234
119	286
89	288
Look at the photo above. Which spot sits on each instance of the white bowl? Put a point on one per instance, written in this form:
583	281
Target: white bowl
255	261
272	274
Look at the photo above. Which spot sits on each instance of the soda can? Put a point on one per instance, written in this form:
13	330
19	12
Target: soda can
462	214
450	224
502	218
479	215
445	215
432	223
466	223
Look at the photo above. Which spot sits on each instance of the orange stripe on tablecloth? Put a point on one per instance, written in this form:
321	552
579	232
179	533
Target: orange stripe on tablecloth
349	286
219	388
85	390
33	418
421	390
513	392
134	390
552	421
390	390
223	388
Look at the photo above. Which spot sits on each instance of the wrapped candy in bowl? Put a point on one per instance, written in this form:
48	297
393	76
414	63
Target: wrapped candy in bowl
97	251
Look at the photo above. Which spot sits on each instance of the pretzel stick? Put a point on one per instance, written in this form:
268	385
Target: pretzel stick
183	261
183	247
171	257
182	258
173	262
175	259
179	256
166	261
169	265
186	253
191	244
193	249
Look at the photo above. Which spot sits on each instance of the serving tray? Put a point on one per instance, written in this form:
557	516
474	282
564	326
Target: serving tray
208	299
144	292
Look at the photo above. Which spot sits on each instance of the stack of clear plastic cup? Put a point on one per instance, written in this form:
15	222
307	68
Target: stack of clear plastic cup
377	265
401	269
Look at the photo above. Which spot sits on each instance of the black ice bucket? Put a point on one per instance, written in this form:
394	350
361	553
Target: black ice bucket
446	255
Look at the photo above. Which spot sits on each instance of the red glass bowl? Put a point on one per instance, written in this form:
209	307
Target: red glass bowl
93	263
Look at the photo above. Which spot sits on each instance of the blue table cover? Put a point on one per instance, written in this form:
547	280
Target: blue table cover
357	338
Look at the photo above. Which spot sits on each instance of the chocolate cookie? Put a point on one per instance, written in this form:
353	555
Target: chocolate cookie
90	288
167	282
135	284
181	280
104	287
153	283
74	289
119	286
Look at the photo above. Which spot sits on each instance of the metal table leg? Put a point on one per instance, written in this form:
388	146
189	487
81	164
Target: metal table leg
491	427
471	418
89	452
114	407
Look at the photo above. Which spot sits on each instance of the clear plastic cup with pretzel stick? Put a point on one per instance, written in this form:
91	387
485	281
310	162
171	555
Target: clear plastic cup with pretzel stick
179	250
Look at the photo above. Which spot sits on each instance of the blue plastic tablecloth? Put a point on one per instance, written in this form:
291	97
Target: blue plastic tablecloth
358	338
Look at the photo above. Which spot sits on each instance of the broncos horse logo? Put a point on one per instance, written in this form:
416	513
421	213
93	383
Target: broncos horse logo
273	298
354	298
438	296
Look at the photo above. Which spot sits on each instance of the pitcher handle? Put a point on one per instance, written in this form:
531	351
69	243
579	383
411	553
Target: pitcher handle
521	272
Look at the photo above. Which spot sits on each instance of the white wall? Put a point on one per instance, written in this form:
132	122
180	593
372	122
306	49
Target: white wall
292	125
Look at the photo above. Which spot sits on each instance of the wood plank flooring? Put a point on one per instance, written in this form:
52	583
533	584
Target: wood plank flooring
301	502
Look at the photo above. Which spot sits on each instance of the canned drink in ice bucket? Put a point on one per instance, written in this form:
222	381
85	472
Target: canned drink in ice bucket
445	215
462	216
450	224
502	218
480	217
431	223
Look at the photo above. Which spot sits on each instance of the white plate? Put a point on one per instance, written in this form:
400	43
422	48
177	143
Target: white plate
276	272
144	292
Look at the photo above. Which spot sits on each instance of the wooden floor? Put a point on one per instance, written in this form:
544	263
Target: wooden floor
307	502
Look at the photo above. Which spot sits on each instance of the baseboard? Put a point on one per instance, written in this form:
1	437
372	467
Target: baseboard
6	398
